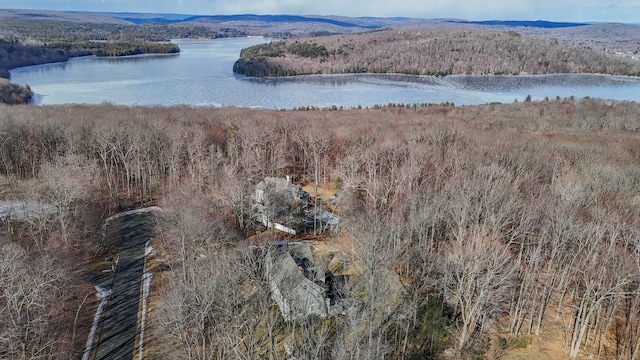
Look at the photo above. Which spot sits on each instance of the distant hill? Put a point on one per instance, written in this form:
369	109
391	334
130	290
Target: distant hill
267	25
255	18
516	23
612	38
157	20
304	25
74	16
142	17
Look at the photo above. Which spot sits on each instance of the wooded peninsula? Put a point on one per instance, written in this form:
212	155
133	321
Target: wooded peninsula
437	52
473	232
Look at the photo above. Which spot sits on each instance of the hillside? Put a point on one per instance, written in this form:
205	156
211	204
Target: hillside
85	17
483	229
612	38
428	52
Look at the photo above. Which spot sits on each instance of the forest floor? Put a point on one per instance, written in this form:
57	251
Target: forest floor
549	345
325	191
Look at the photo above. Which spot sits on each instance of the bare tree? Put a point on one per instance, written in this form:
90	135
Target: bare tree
602	273
31	304
314	147
67	185
479	273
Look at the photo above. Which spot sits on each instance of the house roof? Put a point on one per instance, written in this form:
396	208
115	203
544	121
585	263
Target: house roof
300	285
296	295
281	185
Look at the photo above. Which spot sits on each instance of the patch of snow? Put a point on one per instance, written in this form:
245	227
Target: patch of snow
17	210
149	251
102	294
145	293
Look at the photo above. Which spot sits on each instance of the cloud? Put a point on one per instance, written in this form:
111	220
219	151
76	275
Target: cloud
626	4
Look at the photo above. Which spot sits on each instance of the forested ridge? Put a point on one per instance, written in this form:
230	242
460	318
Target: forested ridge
58	30
508	225
429	52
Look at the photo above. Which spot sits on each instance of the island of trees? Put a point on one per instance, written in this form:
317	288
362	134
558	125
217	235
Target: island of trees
481	230
436	52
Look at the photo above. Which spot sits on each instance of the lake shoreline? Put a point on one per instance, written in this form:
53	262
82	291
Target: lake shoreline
201	75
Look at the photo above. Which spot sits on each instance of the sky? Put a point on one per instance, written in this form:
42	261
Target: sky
625	11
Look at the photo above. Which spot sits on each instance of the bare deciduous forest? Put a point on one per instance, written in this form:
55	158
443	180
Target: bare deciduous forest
430	52
507	226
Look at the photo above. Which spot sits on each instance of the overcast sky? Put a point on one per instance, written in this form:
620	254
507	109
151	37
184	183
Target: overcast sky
627	11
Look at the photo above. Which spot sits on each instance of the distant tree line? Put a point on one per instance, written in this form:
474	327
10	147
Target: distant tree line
254	61
134	47
57	30
272	49
281	48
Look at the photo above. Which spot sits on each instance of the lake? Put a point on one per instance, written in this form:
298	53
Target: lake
202	75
